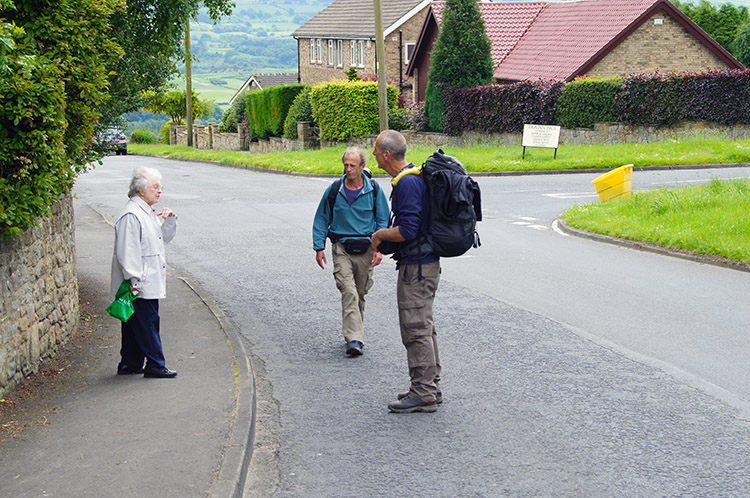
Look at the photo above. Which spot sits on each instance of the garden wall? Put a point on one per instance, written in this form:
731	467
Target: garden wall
206	137
602	133
38	294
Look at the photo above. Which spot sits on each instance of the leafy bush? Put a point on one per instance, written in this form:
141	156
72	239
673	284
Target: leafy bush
267	109
398	119
300	110
664	99
649	99
416	117
586	101
143	136
233	115
501	108
164	131
346	109
32	113
53	78
717	96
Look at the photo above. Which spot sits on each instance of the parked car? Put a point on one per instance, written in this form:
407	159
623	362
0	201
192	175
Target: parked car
114	140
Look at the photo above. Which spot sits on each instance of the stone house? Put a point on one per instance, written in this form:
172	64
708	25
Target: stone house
342	36
265	80
565	40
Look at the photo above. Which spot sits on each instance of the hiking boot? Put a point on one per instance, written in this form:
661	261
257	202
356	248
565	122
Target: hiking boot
438	396
410	405
354	348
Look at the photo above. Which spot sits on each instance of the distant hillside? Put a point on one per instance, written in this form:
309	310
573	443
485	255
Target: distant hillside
256	38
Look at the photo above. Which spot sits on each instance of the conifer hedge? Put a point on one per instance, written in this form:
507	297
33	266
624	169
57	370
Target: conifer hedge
267	110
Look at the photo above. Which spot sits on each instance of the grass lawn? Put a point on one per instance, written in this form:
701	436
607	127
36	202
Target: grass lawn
488	159
709	219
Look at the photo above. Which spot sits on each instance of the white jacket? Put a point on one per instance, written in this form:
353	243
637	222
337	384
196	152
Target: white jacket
139	254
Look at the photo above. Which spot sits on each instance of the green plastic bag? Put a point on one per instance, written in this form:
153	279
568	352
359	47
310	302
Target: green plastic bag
122	307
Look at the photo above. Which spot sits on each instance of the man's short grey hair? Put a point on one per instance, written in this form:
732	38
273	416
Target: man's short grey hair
355	151
143	178
395	142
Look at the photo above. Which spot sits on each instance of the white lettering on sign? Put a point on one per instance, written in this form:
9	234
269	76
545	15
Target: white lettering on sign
547	136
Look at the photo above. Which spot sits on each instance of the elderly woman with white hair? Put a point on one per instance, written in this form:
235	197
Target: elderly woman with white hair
139	256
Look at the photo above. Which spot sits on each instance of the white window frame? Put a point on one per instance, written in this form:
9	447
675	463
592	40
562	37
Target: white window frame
406	52
330	53
361	53
312	50
320	50
352	53
339	53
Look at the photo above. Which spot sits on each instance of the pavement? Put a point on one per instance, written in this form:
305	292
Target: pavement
77	429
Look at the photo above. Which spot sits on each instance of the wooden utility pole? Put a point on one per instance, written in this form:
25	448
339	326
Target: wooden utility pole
382	87
188	87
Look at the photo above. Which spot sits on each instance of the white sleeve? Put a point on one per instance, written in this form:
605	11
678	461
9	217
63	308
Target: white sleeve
128	248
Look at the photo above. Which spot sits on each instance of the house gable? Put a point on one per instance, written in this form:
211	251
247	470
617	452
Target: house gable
662	44
343	36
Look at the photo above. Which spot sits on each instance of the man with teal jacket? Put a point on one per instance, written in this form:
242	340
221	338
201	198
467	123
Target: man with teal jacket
352	208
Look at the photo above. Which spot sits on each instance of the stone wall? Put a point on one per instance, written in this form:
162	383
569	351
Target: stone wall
39	294
602	133
206	137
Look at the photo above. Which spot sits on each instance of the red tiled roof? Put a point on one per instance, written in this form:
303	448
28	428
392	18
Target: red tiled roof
505	22
567	35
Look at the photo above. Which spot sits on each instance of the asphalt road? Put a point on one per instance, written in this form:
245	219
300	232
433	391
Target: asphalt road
571	368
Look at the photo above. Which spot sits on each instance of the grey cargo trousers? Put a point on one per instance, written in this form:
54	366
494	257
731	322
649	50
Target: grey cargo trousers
415	298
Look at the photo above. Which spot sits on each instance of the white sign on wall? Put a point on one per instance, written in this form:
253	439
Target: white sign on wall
547	136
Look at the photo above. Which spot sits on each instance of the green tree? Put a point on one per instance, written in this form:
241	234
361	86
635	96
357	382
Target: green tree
741	47
461	57
173	104
152	34
722	23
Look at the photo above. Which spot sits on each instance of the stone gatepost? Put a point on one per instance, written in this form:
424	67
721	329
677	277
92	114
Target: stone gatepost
303	135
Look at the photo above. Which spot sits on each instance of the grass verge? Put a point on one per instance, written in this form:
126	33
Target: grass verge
710	219
488	159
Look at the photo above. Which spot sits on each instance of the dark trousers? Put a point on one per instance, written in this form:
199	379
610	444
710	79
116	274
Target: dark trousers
140	336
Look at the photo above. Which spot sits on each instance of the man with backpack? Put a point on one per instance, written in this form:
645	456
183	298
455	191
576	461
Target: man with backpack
352	208
418	274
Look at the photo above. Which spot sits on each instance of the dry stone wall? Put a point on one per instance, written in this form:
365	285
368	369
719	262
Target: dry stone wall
38	294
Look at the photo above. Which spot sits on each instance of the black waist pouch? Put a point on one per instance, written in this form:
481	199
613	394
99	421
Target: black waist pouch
356	246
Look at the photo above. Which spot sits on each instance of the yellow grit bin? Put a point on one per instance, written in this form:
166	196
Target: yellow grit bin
615	183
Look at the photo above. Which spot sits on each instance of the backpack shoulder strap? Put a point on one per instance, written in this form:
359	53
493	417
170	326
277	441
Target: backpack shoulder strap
416	170
335	186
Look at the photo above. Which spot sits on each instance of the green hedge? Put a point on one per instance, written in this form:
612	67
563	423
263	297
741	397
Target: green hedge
301	110
586	101
346	109
53	78
267	110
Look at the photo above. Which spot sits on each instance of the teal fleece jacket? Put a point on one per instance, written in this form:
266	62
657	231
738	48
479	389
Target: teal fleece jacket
353	222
